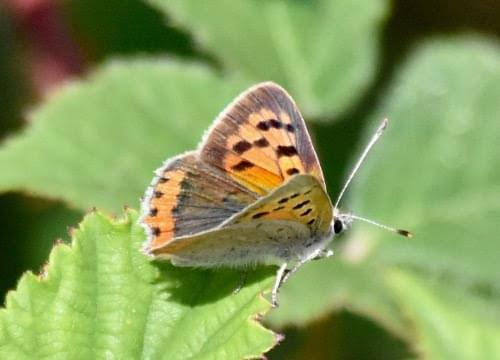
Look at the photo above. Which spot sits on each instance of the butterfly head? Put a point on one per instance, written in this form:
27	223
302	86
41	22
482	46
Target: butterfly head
341	222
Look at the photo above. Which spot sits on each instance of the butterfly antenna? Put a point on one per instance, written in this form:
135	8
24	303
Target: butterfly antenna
401	232
367	149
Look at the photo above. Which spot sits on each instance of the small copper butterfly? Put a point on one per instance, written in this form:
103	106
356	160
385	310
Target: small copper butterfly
252	193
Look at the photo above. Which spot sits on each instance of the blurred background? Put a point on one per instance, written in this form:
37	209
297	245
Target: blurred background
47	44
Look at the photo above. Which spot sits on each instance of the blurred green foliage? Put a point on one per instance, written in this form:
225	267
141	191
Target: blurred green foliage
96	141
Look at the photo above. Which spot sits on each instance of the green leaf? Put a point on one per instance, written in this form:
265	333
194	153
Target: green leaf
101	297
434	173
324	52
96	143
447	325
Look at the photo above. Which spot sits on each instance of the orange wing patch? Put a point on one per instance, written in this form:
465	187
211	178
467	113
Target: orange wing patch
256	178
163	199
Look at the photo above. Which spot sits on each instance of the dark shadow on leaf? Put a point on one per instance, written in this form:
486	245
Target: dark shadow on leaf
194	287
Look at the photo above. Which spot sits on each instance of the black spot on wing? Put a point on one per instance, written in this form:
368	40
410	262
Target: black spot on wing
241	146
263	125
306	212
262	142
260	214
242	165
275	123
292	171
286	150
299	205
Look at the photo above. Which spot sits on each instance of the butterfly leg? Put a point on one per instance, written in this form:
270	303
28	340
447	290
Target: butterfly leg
315	255
280	275
292	270
243	280
283	273
323	254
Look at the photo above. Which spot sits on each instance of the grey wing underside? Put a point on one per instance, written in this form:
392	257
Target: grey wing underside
262	242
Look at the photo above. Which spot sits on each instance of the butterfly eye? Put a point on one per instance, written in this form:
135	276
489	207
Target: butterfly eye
338	226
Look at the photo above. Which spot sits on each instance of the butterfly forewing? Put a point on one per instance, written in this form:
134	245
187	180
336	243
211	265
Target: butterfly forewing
261	140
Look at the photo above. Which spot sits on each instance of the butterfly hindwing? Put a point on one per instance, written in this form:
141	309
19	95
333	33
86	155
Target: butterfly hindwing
261	140
301	199
188	197
290	218
263	242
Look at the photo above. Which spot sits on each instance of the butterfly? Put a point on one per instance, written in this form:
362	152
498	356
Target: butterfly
252	193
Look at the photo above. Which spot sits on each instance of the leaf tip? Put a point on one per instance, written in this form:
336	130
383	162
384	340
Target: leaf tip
71	232
279	338
44	270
